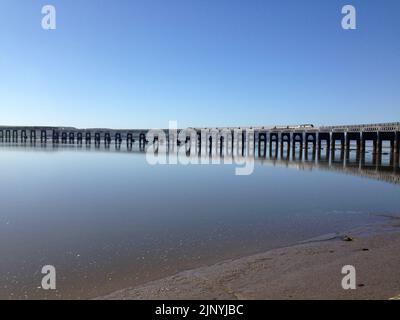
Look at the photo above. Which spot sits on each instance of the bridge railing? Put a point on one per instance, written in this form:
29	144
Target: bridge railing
392	126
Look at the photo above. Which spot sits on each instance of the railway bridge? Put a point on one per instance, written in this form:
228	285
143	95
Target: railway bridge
276	137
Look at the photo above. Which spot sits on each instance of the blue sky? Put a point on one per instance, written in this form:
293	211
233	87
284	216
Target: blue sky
130	63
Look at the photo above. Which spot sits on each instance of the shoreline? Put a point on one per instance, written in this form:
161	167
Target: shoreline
307	270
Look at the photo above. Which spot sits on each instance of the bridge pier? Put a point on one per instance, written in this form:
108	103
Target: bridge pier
387	136
338	136
129	138
285	153
352	136
273	141
129	146
118	138
262	142
396	151
369	136
170	142
88	137
297	139
273	153
379	142
358	154
221	145
188	145
210	143
326	154
313	153
8	135
244	141
254	142
142	141
396	142
324	136
43	136
285	139
392	138
298	156
106	144
311	137
64	137
23	136
107	138
79	137
341	155
55	136
198	142
15	135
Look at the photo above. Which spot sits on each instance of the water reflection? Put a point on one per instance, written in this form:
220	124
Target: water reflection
384	166
107	219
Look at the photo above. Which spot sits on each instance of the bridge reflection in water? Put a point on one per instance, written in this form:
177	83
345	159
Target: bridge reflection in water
383	165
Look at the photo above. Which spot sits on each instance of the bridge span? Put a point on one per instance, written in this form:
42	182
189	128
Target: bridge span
276	137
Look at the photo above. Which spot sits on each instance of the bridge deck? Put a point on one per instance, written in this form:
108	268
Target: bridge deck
274	136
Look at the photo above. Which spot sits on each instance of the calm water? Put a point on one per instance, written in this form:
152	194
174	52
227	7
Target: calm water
106	219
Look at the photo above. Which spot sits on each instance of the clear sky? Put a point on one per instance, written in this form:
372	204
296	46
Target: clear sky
131	63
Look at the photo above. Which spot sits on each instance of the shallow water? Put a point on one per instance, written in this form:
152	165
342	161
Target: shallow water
106	219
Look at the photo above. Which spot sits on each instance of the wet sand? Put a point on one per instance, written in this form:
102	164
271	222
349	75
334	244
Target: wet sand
310	270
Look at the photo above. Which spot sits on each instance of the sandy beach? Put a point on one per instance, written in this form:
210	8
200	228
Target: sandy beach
309	270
